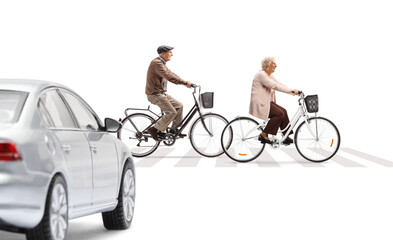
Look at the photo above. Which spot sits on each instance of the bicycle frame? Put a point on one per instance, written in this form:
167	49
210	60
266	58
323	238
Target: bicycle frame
142	109
186	120
301	112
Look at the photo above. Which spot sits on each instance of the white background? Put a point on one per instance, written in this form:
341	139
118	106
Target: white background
340	50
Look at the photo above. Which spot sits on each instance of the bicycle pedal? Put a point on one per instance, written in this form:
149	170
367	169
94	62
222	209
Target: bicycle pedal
161	136
182	136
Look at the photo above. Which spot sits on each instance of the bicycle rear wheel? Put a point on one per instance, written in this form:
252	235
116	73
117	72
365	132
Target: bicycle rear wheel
323	146
206	144
134	134
242	135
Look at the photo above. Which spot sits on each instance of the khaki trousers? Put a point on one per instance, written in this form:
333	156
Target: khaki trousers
173	110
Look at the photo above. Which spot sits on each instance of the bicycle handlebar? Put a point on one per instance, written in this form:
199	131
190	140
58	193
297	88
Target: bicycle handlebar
195	86
299	92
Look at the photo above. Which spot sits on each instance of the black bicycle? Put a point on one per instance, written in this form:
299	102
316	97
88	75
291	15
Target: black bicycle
204	134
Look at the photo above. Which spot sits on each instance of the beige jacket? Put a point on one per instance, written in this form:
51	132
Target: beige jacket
158	76
262	93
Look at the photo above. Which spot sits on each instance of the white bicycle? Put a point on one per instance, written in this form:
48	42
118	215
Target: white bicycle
317	139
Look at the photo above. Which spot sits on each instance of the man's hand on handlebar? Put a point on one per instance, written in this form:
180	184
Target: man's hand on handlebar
189	84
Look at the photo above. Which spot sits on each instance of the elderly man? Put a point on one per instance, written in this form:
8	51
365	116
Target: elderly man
157	79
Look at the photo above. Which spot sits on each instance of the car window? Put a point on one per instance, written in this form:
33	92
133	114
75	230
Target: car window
57	110
83	115
11	105
45	115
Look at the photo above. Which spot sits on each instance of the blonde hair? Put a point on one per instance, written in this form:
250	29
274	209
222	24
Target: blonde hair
267	61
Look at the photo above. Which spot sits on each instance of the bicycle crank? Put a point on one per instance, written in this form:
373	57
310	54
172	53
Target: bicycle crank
275	142
169	139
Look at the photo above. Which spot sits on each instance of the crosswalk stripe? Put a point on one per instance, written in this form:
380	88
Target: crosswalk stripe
154	158
345	162
224	161
267	160
191	159
338	158
293	153
380	161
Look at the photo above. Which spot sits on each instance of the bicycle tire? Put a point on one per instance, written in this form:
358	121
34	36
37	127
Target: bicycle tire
128	134
327	143
202	142
239	149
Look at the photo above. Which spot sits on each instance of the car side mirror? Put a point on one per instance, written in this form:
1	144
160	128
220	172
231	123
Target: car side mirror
112	125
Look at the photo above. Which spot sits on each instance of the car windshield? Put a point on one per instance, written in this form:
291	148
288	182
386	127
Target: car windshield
11	105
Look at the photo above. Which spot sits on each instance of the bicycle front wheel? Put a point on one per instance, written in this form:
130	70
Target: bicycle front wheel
317	141
134	134
242	135
205	134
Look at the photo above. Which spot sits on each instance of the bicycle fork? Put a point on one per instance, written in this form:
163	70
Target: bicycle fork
204	124
314	135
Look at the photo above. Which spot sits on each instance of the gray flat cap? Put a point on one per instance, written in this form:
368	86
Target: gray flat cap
163	48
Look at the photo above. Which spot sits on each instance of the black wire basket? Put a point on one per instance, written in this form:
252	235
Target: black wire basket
312	103
207	99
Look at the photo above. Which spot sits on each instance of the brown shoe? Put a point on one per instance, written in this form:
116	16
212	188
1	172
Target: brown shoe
287	141
264	140
154	133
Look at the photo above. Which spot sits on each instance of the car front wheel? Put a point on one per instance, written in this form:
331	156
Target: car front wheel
120	218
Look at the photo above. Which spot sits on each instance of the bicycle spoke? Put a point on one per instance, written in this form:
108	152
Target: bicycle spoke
206	141
244	147
133	135
241	129
322	148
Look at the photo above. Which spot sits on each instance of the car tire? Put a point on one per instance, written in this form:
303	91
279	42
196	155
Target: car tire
120	218
54	223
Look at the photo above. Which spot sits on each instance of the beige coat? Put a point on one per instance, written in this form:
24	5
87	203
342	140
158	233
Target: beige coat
262	93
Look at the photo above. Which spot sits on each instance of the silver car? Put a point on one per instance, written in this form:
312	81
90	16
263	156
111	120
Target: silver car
59	162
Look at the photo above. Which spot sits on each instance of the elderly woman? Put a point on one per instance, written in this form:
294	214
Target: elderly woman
263	101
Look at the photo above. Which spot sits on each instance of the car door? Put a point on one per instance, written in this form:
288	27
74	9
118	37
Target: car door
103	150
74	145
